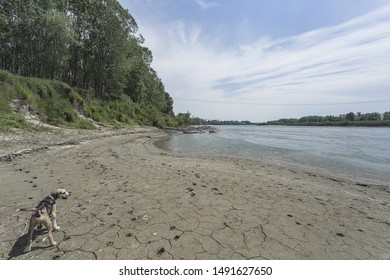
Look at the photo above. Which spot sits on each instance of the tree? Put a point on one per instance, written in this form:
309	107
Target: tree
371	117
184	118
350	116
90	44
56	37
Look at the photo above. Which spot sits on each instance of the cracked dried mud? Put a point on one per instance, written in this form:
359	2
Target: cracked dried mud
131	200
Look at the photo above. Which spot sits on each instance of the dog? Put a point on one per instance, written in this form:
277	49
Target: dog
42	213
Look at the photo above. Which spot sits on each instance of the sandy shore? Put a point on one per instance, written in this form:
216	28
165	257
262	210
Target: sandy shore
131	200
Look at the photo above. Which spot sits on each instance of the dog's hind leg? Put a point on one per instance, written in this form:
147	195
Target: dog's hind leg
29	235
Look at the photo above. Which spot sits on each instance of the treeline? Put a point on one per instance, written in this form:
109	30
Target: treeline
88	44
231	122
185	119
349	119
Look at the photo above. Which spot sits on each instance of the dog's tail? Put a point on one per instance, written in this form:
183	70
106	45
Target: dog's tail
27	209
37	213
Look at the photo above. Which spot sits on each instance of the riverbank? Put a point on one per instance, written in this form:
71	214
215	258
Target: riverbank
131	200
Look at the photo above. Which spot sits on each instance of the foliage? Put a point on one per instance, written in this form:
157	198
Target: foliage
349	119
60	104
185	119
90	46
231	122
8	120
53	101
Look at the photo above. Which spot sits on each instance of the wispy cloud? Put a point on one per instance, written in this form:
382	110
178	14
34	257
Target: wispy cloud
349	62
205	5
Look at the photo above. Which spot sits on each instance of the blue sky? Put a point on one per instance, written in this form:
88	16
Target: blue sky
262	60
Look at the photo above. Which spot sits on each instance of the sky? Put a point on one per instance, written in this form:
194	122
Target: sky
262	60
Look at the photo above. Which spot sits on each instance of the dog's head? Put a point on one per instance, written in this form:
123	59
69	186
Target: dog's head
60	193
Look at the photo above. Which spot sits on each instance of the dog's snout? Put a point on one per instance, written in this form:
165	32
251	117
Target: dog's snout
65	194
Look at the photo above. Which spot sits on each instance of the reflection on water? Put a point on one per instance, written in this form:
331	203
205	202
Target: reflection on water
363	152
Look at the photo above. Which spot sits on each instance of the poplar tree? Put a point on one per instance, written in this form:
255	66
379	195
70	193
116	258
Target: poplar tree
90	44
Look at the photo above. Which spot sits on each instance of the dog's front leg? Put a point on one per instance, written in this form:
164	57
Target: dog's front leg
55	222
54	216
49	233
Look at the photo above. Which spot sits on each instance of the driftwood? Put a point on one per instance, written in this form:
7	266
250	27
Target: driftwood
193	129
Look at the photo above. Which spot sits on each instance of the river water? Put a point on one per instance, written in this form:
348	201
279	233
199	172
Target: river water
352	151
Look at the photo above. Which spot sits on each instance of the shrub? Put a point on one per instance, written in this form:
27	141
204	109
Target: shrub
59	104
9	120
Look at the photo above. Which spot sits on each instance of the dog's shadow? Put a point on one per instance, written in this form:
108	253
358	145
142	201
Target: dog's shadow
21	243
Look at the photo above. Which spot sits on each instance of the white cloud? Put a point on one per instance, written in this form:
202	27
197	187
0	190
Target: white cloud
207	5
345	63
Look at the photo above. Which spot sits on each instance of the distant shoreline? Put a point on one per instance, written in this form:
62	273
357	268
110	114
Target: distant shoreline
341	124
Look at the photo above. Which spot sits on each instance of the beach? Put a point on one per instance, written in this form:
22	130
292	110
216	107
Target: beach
132	200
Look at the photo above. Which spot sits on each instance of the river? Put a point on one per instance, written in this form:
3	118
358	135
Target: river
352	151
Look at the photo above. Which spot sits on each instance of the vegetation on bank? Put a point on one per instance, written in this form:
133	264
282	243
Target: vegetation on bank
349	119
68	57
59	104
185	119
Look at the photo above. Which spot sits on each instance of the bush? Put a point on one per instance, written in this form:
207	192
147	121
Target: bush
12	121
9	121
58	111
59	104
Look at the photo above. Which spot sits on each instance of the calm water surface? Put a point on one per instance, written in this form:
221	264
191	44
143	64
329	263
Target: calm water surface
360	152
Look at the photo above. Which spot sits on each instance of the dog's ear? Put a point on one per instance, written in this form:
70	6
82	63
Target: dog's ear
55	194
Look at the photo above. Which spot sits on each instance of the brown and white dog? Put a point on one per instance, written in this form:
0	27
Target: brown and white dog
45	210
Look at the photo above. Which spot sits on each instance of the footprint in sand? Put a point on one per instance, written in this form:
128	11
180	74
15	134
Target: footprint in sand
161	251
217	192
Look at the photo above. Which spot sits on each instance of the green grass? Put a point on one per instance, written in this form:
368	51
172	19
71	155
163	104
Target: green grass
59	104
55	102
10	121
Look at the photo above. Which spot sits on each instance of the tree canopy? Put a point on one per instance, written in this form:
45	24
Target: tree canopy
88	44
